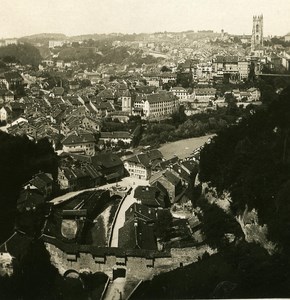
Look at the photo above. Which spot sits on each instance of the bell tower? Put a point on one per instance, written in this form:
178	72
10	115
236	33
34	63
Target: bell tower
257	33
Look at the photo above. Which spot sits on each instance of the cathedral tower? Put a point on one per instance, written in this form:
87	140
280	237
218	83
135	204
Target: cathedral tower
257	33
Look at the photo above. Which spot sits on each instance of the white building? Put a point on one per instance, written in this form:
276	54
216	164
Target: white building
160	105
180	92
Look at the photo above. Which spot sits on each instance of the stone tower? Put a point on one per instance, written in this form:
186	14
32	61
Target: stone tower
257	33
127	102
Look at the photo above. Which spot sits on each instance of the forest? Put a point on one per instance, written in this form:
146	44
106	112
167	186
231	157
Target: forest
25	54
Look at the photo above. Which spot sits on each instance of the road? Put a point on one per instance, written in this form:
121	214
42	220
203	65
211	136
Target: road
127	181
128	201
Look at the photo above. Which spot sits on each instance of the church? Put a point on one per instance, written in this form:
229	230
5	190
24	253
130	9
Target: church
257	36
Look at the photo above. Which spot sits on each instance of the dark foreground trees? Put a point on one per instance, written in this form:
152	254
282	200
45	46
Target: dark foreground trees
20	159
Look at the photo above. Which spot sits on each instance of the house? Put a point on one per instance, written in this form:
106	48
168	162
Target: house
76	178
90	123
163	165
66	179
140	165
160	105
168	77
186	171
9	96
244	96
170	182
227	64
120	116
5	113
57	91
60	64
145	89
137	234
103	108
286	60
142	212
205	94
287	37
116	136
107	95
254	94
243	68
83	143
30	200
14	80
23	128
74	85
109	165
153	79
150	196
180	92
94	174
42	182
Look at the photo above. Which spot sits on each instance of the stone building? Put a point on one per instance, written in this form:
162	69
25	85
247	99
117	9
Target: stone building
257	33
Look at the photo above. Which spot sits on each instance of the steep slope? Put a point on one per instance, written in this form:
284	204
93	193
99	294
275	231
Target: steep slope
244	209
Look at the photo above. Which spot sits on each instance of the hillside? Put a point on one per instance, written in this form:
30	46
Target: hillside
245	204
43	38
23	53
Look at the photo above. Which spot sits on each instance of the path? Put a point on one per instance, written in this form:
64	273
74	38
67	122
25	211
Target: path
128	201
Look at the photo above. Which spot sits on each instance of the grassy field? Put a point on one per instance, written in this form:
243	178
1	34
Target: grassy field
183	148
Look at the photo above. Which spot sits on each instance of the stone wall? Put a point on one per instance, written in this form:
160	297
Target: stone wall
137	267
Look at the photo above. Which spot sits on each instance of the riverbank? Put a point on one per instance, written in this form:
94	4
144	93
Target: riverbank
183	148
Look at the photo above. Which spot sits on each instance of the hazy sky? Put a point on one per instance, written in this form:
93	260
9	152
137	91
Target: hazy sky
72	17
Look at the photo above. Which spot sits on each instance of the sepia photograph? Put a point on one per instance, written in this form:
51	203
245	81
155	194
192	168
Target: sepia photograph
144	149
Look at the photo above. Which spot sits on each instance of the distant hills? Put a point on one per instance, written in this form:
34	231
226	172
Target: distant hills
42	37
50	36
45	37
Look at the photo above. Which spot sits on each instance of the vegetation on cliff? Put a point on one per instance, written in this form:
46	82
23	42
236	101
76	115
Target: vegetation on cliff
251	161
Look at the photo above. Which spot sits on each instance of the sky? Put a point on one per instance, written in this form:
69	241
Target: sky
74	17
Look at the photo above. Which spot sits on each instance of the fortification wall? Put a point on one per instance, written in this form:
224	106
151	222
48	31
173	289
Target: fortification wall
137	267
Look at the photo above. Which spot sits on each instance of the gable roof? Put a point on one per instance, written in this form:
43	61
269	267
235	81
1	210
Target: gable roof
76	138
227	59
137	234
149	196
171	177
30	197
106	160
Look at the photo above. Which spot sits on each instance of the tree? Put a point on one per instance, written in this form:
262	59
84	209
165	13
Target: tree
216	223
20	159
165	69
